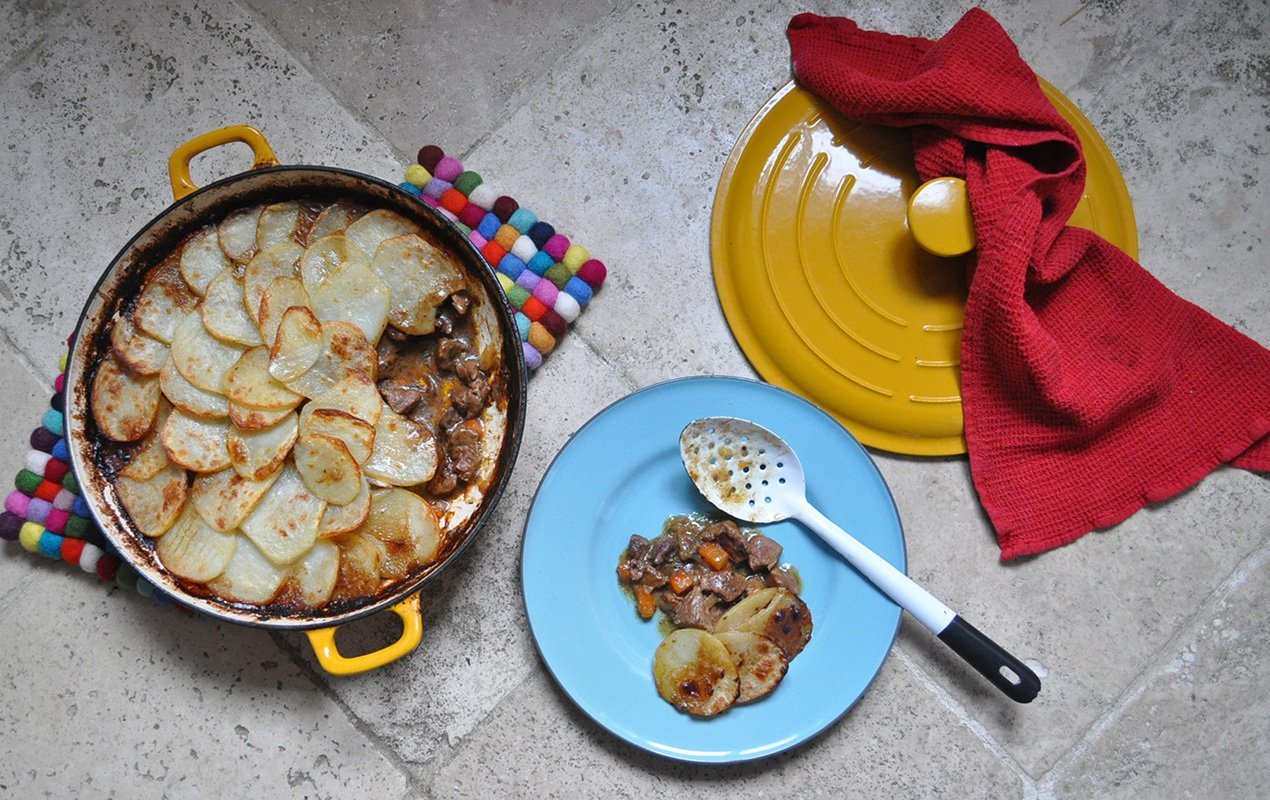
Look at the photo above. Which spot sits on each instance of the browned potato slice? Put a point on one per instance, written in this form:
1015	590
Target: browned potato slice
695	673
223	313
257	453
248	383
401	517
189	398
372	229
357	435
124	405
250	418
224	499
278	261
326	467
194	550
150	458
345	518
202	259
748	607
345	351
249	577
420	277
141	354
155	503
237	234
284	523
334	219
194	443
785	619
297	344
278	223
324	256
314	577
352	293
760	664
405	454
360	560
282	294
200	357
165	301
356	395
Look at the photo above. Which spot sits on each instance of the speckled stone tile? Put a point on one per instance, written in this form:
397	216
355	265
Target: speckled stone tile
109	694
432	73
899	741
25	399
21	28
1195	729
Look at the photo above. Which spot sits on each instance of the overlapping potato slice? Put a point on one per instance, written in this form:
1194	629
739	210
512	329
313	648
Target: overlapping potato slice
334	219
345	352
200	357
124	404
223	312
760	663
314	576
355	395
225	498
195	443
327	469
189	398
250	418
323	256
778	614
194	550
249	577
150	458
257	453
695	673
404	454
376	227
357	436
279	261
420	278
248	383
141	354
360	560
284	524
282	294
348	517
353	293
202	259
403	518
278	223
236	234
297	344
154	503
164	302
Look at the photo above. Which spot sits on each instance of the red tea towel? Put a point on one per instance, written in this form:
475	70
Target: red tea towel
1088	388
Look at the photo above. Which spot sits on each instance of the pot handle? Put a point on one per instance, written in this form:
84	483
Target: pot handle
328	655
179	163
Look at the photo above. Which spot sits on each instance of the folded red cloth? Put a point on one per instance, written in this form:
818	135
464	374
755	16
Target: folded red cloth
1088	388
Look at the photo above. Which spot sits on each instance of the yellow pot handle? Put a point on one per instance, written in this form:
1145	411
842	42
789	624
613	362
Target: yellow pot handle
179	163
328	655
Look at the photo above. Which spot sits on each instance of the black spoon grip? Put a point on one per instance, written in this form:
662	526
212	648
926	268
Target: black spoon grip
1005	671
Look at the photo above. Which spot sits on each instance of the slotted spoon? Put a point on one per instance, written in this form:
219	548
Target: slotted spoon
750	473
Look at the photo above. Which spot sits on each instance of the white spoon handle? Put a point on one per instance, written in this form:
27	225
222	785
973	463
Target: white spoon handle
894	584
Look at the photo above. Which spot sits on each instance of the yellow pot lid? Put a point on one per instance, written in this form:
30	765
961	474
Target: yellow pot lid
825	286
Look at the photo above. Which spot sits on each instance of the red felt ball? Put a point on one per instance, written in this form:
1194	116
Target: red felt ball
493	252
533	308
72	550
429	155
471	215
554	323
55	470
107	566
47	490
593	272
452	200
504	207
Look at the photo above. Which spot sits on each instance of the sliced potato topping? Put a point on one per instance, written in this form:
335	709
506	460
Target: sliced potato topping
357	436
124	405
202	259
695	673
345	352
279	261
376	227
345	518
195	443
223	312
278	223
398	516
324	256
360	560
249	577
154	503
189	398
355	395
250	418
224	499
257	453
248	383
760	664
141	354
237	234
150	458
194	550
200	357
284	524
297	344
352	293
282	294
419	277
165	301
326	467
314	577
335	218
405	454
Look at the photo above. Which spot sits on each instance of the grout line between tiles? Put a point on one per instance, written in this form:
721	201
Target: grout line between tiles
1187	633
41	378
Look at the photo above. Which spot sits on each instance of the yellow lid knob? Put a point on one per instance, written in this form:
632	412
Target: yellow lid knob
939	217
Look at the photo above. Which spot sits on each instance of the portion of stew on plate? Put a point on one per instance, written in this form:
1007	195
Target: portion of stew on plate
735	610
300	404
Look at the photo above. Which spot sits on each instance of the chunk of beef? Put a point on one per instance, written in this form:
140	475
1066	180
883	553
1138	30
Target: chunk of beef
783	579
727	535
727	585
398	397
695	610
754	583
450	352
637	547
463	450
652	578
661	549
444	481
470	399
763	552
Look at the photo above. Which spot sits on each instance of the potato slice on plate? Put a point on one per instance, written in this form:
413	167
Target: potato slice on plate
189	398
360	560
200	357
154	504
278	223
124	405
150	458
250	418
297	344
371	230
420	277
249	577
284	523
224	499
355	395
236	234
141	354
282	294
358	436
345	518
695	673
778	614
194	443
223	312
352	293
194	550
248	383
760	664
279	261
405	454
327	469
335	218
165	301
399	516
202	259
345	351
324	256
748	607
257	453
313	579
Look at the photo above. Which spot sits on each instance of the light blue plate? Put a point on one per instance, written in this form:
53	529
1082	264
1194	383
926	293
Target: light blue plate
621	474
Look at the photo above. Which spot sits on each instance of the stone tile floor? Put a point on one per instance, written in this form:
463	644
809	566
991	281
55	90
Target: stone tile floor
614	120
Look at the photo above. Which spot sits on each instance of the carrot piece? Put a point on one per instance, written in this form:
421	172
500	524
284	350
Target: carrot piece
680	581
645	605
714	556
